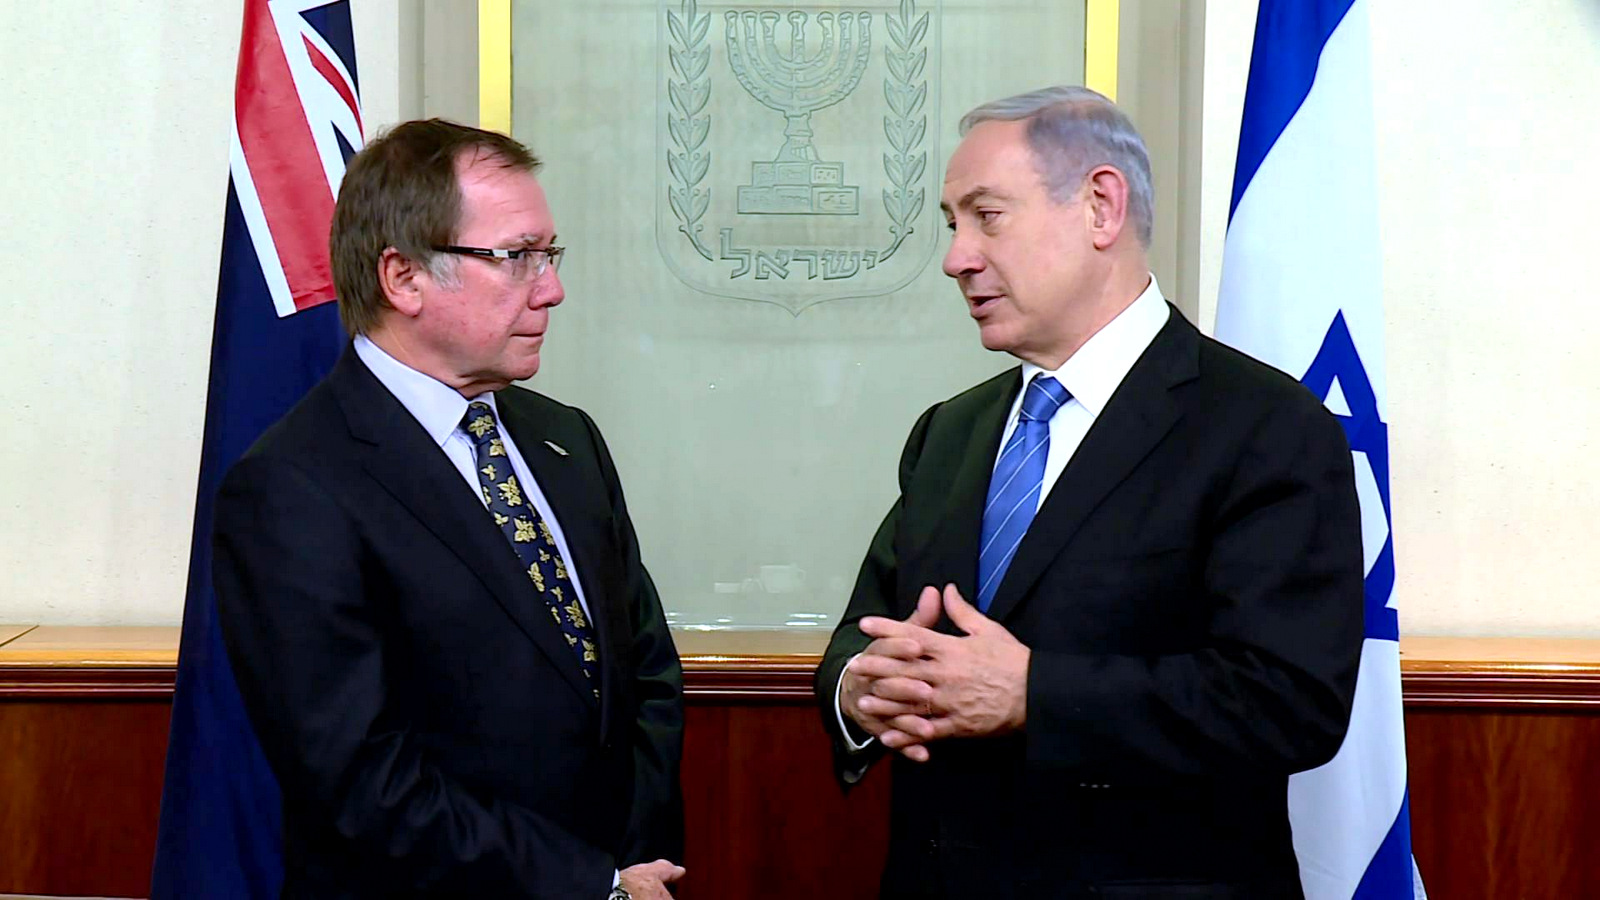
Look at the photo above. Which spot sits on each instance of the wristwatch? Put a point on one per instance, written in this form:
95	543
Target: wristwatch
619	893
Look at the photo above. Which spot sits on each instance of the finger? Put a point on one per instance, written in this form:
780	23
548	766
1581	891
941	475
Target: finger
941	727
879	627
913	691
871	666
915	753
965	616
895	648
915	726
883	709
895	739
927	612
871	724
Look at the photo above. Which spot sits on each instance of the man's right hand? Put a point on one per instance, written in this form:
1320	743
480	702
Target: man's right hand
893	710
648	881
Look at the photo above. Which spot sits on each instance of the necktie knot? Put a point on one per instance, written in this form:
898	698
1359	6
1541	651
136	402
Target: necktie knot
1043	397
478	423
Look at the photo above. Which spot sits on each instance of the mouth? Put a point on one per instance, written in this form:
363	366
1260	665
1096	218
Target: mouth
979	305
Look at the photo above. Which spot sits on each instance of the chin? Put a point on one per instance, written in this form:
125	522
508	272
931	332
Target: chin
996	339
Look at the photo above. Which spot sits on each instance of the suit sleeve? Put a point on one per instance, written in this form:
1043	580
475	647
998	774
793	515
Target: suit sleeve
656	826
1272	691
306	645
874	595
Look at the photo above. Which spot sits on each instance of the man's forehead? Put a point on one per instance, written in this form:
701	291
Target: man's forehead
990	155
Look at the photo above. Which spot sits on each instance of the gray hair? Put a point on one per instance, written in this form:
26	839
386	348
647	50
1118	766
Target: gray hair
1071	130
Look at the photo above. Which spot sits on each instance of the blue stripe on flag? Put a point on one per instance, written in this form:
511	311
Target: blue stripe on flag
1290	35
1338	360
1390	875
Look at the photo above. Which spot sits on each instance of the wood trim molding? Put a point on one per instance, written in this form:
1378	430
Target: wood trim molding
87	683
1526	674
776	667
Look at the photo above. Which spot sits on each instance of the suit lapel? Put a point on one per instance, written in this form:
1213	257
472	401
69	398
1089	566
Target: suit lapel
961	523
1135	419
415	471
558	479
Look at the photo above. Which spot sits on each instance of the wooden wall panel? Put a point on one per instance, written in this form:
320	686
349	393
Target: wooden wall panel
1505	805
80	789
1503	739
765	817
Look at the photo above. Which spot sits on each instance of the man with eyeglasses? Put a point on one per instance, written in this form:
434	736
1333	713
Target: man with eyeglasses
428	583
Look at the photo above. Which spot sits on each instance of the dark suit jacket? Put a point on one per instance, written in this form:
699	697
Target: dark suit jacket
1191	591
431	731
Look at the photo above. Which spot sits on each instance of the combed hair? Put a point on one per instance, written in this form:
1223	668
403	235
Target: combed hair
1071	130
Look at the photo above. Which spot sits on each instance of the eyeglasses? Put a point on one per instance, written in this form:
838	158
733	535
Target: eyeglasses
526	263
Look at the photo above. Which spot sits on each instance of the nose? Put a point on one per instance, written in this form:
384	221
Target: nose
547	290
963	257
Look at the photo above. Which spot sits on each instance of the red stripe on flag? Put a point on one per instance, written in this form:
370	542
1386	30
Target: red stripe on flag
328	71
284	164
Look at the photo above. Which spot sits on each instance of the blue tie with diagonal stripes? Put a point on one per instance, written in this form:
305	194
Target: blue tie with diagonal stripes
1014	487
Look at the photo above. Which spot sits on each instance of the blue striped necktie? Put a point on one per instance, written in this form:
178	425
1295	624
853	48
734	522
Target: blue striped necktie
1014	487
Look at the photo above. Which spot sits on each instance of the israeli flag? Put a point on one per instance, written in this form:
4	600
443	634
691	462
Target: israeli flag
1301	291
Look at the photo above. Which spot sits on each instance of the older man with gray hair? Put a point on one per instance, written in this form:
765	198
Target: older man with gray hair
1119	598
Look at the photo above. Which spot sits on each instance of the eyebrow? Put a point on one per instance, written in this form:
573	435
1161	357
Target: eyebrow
969	197
531	238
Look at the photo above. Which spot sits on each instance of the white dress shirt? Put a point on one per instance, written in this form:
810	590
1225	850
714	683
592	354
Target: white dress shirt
439	408
1091	375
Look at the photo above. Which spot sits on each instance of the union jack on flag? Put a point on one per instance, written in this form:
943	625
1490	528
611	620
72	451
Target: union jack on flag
288	158
297	119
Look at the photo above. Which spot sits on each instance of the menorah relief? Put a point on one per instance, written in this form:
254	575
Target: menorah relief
798	180
793	232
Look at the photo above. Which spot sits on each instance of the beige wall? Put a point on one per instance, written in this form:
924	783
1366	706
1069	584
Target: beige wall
1488	129
1487	132
116	160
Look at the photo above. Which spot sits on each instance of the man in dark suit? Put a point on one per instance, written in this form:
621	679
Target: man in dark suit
428	583
1119	598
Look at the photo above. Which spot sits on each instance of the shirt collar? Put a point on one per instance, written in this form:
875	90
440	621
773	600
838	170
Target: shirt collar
435	405
1093	373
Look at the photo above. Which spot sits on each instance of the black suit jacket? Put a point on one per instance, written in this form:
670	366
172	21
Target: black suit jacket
1191	592
431	731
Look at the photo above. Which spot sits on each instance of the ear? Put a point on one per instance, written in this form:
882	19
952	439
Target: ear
1106	205
402	281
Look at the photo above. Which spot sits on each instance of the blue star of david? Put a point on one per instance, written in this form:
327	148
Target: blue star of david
1337	359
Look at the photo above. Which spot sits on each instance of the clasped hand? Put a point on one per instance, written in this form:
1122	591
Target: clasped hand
913	685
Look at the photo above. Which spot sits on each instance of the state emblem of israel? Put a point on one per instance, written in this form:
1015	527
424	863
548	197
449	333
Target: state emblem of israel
796	145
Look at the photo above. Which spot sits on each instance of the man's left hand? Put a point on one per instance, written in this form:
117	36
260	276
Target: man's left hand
980	680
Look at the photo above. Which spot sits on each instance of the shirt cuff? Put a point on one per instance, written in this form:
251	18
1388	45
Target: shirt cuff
838	711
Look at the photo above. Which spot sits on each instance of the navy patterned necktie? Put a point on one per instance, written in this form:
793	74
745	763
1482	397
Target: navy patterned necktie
530	538
1015	485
